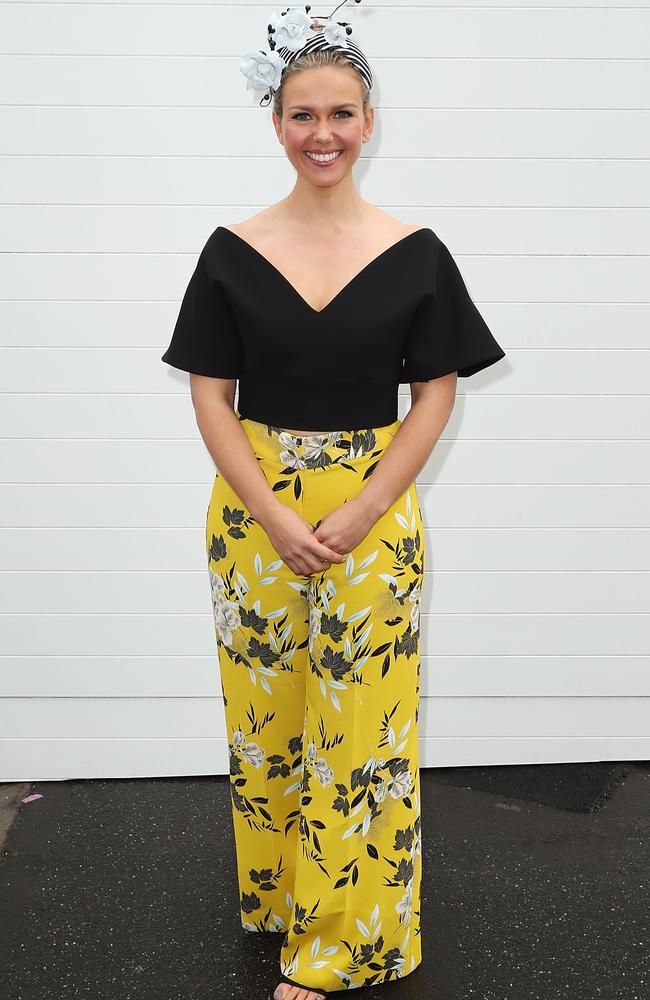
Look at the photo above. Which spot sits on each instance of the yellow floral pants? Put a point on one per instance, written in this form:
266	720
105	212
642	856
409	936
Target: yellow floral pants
320	677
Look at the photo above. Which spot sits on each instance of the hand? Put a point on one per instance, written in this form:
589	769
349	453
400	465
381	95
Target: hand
295	541
345	526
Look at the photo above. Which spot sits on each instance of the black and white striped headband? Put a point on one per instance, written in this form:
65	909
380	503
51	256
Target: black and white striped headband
293	33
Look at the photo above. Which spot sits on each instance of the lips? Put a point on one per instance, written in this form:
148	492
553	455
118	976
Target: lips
314	156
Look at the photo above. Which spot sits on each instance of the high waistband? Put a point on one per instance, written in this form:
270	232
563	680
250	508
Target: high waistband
317	451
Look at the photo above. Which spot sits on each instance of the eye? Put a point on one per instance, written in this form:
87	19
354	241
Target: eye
343	111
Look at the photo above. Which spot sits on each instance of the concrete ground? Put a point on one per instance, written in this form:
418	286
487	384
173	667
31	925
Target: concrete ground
126	889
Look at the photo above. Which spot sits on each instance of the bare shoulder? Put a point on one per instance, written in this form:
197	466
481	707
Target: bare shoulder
255	227
393	228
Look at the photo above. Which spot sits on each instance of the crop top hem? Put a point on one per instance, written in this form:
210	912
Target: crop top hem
381	414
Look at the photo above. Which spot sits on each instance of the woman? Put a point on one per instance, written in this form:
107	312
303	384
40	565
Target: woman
320	306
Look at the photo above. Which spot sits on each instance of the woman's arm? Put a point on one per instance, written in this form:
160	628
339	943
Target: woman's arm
431	407
291	535
226	440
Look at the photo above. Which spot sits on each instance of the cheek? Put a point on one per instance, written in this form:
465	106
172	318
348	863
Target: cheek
293	138
296	139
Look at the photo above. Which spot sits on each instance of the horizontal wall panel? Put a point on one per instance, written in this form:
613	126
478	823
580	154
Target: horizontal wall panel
486	82
126	520
518	325
65	758
48	229
377	5
393	181
442	634
452	462
441	676
247	132
140	370
490	278
476	416
544	593
203	718
426	30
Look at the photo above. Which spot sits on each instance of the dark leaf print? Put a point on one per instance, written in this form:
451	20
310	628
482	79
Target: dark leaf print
369	471
251	619
336	662
262	651
333	626
217	548
281	485
250	902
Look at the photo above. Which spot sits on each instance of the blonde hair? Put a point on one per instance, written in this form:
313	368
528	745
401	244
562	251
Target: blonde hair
315	60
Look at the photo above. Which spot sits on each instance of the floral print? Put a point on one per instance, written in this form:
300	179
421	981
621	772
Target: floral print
320	676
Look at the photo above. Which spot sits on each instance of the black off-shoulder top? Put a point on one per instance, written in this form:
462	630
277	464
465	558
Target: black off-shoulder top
407	316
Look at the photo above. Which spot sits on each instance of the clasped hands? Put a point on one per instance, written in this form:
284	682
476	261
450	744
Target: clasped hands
344	527
308	549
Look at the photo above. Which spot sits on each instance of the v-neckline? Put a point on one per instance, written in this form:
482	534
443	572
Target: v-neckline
341	291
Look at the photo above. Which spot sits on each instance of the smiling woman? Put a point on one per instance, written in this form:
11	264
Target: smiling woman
318	307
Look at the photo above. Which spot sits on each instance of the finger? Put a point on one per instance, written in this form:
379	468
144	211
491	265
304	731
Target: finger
331	554
321	567
309	567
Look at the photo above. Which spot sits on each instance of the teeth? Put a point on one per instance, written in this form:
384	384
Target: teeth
323	157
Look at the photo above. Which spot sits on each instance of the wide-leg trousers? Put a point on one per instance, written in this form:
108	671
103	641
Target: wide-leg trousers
320	676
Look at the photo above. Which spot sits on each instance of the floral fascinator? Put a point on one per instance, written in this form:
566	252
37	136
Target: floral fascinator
291	34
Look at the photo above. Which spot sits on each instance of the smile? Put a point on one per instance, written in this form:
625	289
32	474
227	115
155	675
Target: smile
323	157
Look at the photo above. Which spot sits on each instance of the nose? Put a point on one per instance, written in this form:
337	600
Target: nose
323	131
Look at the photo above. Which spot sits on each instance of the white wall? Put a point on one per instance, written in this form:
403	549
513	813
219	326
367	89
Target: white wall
521	135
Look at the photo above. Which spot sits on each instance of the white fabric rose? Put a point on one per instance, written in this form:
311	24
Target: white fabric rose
262	70
293	29
335	33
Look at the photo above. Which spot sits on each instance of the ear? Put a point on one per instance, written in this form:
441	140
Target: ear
277	124
369	122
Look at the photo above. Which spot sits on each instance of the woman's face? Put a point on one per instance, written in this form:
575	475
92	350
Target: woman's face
322	112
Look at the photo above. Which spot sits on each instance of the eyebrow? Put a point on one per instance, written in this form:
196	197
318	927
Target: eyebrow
305	107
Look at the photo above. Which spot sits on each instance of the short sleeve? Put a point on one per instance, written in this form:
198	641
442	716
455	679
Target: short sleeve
205	340
448	332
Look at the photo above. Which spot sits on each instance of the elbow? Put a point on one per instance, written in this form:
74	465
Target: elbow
439	392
